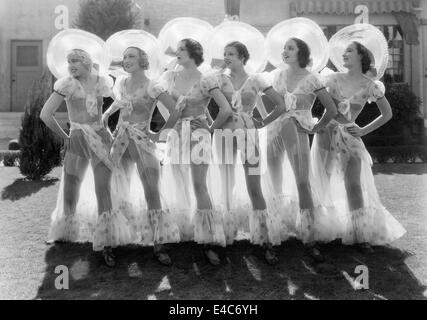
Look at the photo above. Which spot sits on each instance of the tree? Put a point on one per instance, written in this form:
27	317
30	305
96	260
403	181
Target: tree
40	147
106	17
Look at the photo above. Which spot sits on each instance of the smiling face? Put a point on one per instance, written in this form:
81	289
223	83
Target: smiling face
182	54
351	57
290	52
79	63
231	58
133	61
76	67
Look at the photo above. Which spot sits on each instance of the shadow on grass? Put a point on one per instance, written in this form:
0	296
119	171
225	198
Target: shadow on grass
242	275
400	168
22	188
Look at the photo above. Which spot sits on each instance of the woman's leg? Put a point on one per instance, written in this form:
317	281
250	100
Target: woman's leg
298	150
275	168
73	178
67	228
206	220
352	177
352	184
260	214
102	175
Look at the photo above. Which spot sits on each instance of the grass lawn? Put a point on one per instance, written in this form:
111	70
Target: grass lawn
27	264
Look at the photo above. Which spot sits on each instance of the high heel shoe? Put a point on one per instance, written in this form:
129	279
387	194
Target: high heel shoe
211	256
109	258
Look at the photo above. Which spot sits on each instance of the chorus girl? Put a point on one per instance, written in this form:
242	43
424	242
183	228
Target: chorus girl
343	165
299	87
74	218
242	92
136	96
192	92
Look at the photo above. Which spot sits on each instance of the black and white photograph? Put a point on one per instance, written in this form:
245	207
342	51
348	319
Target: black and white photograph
213	150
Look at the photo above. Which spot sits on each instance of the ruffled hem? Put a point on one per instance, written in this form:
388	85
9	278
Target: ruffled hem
264	228
67	228
208	227
318	224
160	228
231	227
112	230
375	226
286	211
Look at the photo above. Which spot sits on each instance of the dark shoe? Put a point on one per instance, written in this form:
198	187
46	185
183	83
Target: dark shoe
211	256
162	257
366	248
109	258
271	256
315	254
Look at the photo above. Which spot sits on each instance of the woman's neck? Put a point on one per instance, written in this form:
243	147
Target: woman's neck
355	73
189	70
83	77
138	76
295	68
238	72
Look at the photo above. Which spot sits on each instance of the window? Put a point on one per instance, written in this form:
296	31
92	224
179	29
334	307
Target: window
395	70
27	56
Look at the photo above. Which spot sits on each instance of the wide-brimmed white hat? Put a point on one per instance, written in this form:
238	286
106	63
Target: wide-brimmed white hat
367	35
181	28
67	40
251	37
301	28
120	41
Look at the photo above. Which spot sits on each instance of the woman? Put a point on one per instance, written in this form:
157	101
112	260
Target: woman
192	93
343	164
300	88
242	92
136	96
89	142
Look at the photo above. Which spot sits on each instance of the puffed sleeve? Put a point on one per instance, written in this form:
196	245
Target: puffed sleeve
261	81
376	91
209	83
106	86
277	79
155	89
65	86
313	83
326	75
165	80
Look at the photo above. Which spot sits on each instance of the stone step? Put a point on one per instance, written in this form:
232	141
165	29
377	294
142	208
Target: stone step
10	123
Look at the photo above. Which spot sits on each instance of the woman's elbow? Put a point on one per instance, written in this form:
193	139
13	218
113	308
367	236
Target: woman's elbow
388	115
44	116
333	112
227	113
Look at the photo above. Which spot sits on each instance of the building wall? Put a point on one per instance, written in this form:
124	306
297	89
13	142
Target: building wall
159	12
24	20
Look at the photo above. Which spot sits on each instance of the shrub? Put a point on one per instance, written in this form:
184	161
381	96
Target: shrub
399	154
40	147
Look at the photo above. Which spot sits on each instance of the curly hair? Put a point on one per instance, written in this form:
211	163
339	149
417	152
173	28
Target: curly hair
366	60
241	49
195	50
143	58
303	52
82	56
